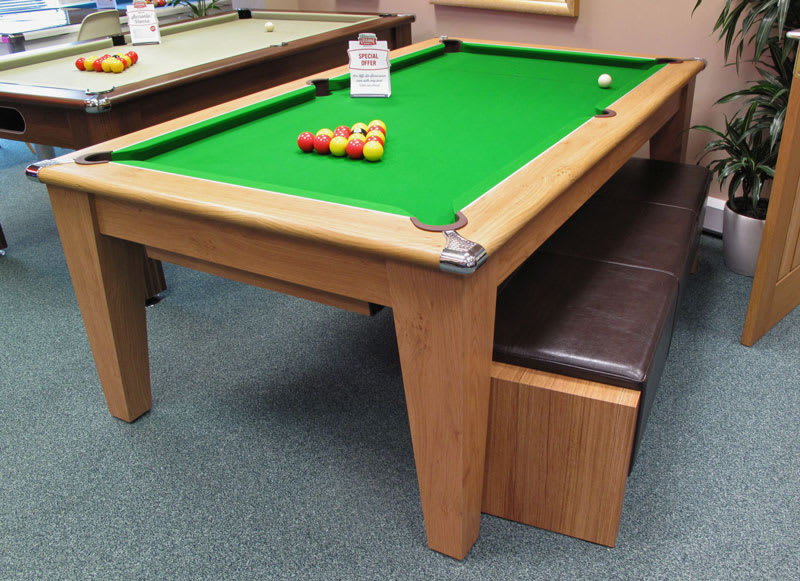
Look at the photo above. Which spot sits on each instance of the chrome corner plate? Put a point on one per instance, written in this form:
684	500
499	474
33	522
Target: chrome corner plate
97	102
32	171
461	256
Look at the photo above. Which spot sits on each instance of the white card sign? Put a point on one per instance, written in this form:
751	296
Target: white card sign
369	67
143	23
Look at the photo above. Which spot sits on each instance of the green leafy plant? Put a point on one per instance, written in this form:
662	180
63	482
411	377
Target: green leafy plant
770	94
746	151
748	160
199	7
756	22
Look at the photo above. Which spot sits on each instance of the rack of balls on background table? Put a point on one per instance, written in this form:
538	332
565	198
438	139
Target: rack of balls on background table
362	140
108	63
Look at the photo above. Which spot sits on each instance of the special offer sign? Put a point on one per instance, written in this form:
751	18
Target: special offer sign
369	67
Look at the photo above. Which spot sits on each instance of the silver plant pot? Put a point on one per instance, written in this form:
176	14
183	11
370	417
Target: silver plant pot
741	241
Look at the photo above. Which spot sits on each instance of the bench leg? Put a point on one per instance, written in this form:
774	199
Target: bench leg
558	452
154	281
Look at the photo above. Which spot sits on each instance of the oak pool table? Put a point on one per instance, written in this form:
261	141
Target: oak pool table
490	148
45	99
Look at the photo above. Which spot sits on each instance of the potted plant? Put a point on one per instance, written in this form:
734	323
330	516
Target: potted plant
746	150
199	7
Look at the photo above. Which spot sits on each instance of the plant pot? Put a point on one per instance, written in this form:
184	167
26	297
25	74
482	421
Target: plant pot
741	241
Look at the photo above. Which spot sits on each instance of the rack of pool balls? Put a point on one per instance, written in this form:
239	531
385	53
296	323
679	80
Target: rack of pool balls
362	140
108	63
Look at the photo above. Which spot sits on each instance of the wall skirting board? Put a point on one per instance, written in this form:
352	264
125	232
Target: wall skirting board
712	223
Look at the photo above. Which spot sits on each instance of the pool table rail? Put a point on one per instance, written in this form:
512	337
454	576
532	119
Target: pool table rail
510	222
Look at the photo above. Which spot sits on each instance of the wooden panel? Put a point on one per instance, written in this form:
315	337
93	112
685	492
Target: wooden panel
303	292
558	452
294	260
791	255
776	285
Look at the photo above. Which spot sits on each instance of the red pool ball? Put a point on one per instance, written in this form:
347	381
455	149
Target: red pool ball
322	144
79	64
376	127
355	148
98	63
377	136
342	130
305	141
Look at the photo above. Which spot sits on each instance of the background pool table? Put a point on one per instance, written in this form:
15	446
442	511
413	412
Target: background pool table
45	99
43	27
350	256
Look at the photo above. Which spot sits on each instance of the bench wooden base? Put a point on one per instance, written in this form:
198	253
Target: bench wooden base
558	452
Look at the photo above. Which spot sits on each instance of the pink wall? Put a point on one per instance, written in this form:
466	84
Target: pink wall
664	27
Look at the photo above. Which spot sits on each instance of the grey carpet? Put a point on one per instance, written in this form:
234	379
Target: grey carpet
278	444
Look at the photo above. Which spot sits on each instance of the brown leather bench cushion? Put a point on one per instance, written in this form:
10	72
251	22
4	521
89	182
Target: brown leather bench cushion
660	182
583	318
632	232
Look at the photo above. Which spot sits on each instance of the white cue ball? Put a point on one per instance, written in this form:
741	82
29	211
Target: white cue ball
269	27
604	81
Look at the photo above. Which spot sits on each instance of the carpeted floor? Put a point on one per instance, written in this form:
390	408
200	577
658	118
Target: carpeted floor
278	444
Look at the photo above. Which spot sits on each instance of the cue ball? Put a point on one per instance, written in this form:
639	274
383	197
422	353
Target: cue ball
269	27
604	81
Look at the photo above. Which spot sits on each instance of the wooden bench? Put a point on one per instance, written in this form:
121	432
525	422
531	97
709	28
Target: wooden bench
582	335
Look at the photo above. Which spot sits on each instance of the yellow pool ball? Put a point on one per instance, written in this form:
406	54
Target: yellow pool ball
378	122
373	150
338	146
325	131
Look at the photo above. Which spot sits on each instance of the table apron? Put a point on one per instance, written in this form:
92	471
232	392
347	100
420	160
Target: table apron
231	250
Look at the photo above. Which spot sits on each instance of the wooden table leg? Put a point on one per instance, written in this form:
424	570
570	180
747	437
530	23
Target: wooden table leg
109	284
671	141
445	327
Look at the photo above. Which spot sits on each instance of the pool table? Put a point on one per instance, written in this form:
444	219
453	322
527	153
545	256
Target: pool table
45	99
490	147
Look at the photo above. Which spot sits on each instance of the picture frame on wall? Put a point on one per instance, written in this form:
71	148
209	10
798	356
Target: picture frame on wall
550	7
